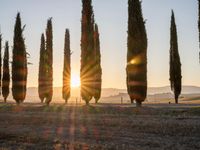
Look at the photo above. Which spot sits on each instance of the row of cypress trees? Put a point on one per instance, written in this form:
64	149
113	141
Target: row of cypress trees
91	71
19	65
137	56
45	76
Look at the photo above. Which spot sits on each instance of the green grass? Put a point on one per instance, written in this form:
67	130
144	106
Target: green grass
194	111
5	107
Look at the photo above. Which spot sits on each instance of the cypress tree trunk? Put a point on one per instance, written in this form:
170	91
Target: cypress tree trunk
0	60
19	64
175	64
49	61
6	73
98	70
66	68
136	54
41	78
87	52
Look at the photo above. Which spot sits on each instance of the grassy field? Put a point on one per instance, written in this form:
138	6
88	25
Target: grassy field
97	127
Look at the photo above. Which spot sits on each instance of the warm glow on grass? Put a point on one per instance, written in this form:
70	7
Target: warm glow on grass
75	81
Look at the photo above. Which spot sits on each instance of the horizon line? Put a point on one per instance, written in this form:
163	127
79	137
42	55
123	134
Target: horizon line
117	87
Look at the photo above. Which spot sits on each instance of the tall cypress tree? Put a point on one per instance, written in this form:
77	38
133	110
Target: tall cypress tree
49	61
136	54
6	73
0	59
97	67
199	26
175	64
87	51
66	68
19	63
41	75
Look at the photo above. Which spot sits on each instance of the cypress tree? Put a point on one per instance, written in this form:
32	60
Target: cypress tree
49	61
19	63
6	73
136	54
0	59
98	70
175	64
87	51
42	78
66	68
199	26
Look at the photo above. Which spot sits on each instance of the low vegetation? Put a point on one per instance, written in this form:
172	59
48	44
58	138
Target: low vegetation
101	126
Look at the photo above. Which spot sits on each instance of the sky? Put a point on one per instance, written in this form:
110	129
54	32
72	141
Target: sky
112	17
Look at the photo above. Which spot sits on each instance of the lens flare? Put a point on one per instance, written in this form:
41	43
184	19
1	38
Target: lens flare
75	81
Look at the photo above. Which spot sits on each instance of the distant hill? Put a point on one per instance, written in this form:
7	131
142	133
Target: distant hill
166	89
114	94
107	92
152	90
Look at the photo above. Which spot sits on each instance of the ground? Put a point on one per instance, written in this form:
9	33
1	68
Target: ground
100	127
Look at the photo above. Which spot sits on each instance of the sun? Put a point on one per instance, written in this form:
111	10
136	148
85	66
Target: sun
75	81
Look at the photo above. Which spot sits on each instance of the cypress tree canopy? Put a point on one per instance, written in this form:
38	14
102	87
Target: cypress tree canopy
66	68
49	61
0	59
87	51
136	54
97	67
175	64
19	63
42	71
199	26
6	73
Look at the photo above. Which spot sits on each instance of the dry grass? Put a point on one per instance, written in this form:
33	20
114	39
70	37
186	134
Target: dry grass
99	127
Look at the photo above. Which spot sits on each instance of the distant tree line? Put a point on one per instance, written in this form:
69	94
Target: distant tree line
90	69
